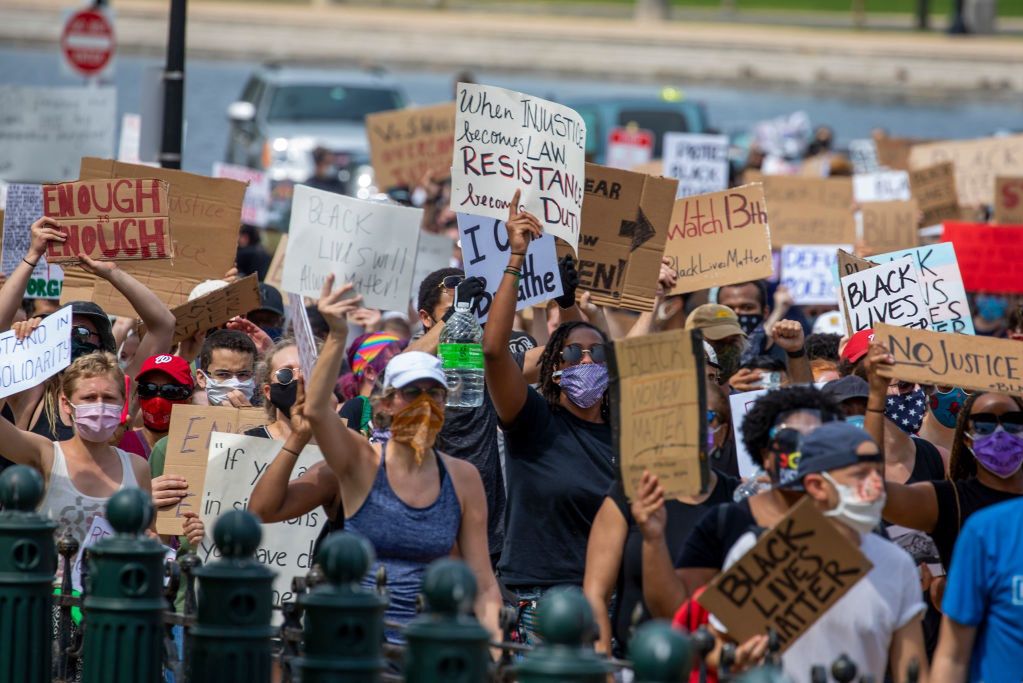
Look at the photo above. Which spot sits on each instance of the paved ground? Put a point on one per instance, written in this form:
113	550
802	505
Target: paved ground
721	52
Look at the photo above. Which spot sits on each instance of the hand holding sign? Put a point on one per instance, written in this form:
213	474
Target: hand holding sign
44	231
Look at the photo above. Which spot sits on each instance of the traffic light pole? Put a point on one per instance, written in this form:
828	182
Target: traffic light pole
174	88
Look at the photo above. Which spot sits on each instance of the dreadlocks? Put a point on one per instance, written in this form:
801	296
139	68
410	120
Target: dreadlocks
551	357
961	462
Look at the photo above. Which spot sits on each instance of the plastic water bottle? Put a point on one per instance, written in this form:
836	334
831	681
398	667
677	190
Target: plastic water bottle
752	486
461	355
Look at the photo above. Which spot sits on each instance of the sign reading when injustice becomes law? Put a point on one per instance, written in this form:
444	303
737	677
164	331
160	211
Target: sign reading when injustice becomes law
959	360
810	210
795	573
658	411
405	144
122	219
888	293
720	239
507	141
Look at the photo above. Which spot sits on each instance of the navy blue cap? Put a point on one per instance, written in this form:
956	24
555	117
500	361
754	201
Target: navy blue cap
845	388
832	446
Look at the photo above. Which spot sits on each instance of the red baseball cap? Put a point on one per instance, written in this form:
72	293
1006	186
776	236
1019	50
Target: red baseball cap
857	345
175	366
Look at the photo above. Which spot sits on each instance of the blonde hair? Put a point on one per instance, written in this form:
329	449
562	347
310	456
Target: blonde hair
263	372
96	364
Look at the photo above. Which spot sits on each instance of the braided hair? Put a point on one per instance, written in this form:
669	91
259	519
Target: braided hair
962	464
551	358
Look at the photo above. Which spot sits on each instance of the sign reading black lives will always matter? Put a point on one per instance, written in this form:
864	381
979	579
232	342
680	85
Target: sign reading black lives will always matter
507	141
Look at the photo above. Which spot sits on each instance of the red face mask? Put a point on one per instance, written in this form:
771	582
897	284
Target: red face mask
156	413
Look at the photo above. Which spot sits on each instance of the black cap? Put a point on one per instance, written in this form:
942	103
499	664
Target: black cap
270	299
845	388
100	319
832	446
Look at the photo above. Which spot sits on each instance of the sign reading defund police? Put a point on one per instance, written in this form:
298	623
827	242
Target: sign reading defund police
41	355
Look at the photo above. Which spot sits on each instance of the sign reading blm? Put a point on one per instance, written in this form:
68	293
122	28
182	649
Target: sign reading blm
507	141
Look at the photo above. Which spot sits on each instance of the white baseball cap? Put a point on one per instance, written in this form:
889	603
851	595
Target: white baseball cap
829	323
205	287
412	366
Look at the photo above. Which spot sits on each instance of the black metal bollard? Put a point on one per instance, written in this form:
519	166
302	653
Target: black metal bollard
565	622
660	654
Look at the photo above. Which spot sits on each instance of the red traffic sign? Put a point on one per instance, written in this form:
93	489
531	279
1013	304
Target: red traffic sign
87	42
634	137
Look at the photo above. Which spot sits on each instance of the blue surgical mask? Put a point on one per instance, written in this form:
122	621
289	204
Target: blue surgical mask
856	420
991	308
945	406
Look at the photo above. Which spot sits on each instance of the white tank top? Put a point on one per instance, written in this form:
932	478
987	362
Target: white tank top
69	507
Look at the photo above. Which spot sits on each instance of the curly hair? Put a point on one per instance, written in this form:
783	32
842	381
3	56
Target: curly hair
232	340
961	462
756	427
551	357
824	346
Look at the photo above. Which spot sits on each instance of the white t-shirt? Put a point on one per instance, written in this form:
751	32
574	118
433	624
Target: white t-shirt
861	624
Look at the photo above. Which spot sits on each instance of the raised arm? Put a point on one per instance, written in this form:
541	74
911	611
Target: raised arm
505	382
788	334
666	281
12	292
663	591
25	448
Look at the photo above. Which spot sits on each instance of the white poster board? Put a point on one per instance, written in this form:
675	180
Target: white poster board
369	244
507	141
740	405
235	464
130	138
808	270
485	251
41	355
883	186
25	207
889	293
863	155
435	252
699	162
303	331
256	203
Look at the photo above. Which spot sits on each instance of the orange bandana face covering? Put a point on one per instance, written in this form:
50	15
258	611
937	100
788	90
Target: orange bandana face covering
418	425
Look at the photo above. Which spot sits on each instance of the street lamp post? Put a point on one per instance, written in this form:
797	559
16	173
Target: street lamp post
174	87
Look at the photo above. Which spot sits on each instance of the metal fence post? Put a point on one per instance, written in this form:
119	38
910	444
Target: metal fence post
28	562
660	654
124	603
446	643
344	622
565	622
231	638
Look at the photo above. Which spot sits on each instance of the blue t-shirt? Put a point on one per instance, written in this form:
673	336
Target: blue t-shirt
985	590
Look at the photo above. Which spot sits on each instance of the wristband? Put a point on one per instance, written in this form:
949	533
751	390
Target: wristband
796	354
288	450
518	253
875	410
512	271
30	263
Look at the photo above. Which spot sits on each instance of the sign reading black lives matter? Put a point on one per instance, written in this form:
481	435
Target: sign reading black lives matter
507	141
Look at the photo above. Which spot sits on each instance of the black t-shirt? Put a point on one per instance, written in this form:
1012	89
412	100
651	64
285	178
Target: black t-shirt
7	414
952	514
559	468
352	412
929	465
726	459
682	517
58	432
715	534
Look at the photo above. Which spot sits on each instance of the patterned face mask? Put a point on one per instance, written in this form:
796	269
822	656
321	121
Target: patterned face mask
945	406
584	384
907	410
418	425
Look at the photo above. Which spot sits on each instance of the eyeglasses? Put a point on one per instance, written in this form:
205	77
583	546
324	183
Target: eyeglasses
83	333
171	392
451	281
225	375
785	439
573	354
436	394
985	424
285	376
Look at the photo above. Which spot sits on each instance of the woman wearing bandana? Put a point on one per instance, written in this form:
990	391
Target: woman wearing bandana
413	503
560	461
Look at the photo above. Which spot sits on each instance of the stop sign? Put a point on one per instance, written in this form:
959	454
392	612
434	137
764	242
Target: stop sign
87	42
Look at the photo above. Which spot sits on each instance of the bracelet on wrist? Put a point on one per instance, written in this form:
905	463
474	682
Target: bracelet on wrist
288	450
513	271
518	253
30	263
875	410
796	354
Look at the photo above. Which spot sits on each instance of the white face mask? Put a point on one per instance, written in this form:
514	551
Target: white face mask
852	510
216	392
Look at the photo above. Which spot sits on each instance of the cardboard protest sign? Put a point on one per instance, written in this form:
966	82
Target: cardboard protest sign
188	445
659	410
795	573
959	360
887	293
369	244
934	189
205	213
485	252
29	362
109	220
942	285
977	163
894	152
435	252
304	339
216	308
24	207
507	141
234	464
807	270
625	228
1008	201
890	225
990	256
256	203
810	210
276	269
863	155
699	162
882	186
405	144
720	239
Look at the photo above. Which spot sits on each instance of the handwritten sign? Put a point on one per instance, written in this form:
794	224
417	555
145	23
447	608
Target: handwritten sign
404	144
369	244
795	573
807	270
216	308
625	228
888	293
658	411
977	163
941	283
890	225
24	207
990	256
698	162
507	141
29	362
256	204
882	186
863	155
720	239
188	444
304	338
435	252
1009	201
109	220
276	269
934	189
234	465
810	210
46	131
485	251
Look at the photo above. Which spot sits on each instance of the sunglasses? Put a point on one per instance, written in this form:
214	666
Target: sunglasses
171	392
985	424
573	354
83	333
285	376
436	394
451	281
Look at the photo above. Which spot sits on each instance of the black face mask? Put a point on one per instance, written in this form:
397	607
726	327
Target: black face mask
282	397
80	348
749	322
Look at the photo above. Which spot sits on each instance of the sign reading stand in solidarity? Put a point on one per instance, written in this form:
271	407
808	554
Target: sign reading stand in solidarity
26	363
507	141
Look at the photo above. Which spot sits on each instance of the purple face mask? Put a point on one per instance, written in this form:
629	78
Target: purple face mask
584	384
1000	453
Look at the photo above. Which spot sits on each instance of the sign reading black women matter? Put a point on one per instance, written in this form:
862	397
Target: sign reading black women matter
507	141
